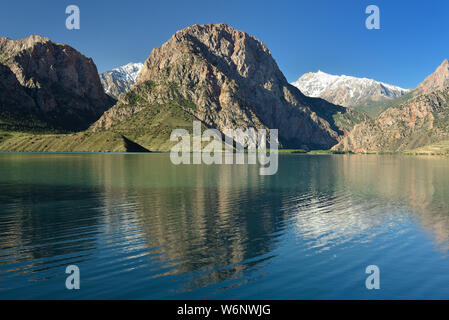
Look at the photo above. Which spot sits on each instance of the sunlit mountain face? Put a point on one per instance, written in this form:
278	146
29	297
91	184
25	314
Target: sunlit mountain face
121	79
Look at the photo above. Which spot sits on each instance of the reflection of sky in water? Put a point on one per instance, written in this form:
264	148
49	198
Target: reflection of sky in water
325	222
139	227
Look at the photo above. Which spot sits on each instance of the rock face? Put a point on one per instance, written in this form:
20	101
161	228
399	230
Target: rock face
347	91
437	80
120	80
227	79
56	85
17	108
12	93
419	121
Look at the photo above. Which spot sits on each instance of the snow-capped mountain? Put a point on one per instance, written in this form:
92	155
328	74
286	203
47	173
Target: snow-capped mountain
121	79
347	91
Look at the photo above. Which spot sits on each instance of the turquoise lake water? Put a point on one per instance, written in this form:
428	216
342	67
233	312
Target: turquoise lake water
139	227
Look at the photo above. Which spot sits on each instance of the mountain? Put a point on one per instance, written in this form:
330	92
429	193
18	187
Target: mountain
347	91
121	79
419	121
14	100
226	79
438	79
47	85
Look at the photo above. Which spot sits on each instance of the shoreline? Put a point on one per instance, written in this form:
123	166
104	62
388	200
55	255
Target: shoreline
281	152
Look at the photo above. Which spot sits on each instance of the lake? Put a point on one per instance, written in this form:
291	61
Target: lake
139	227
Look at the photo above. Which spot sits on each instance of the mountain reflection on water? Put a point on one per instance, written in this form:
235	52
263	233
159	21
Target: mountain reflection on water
140	227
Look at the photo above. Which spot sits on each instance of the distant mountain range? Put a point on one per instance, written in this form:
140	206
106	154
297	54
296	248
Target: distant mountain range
121	79
218	75
347	91
419	119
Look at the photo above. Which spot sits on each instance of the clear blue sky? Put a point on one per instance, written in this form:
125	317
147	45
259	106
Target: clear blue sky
303	36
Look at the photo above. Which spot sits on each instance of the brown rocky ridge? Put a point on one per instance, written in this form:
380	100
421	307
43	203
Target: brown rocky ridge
419	121
51	85
437	80
226	79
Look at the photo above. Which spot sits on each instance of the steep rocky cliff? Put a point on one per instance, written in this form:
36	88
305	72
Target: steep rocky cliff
227	79
51	83
437	80
16	106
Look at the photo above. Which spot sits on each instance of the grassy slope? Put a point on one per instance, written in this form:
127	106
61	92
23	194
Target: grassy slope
152	126
77	142
374	108
348	120
439	148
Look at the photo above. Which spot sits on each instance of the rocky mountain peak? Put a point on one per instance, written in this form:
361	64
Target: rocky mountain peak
10	48
33	39
121	79
21	44
63	83
216	31
235	51
227	79
437	80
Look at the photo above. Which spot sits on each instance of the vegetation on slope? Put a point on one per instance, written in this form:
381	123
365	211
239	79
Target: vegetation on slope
374	108
75	142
